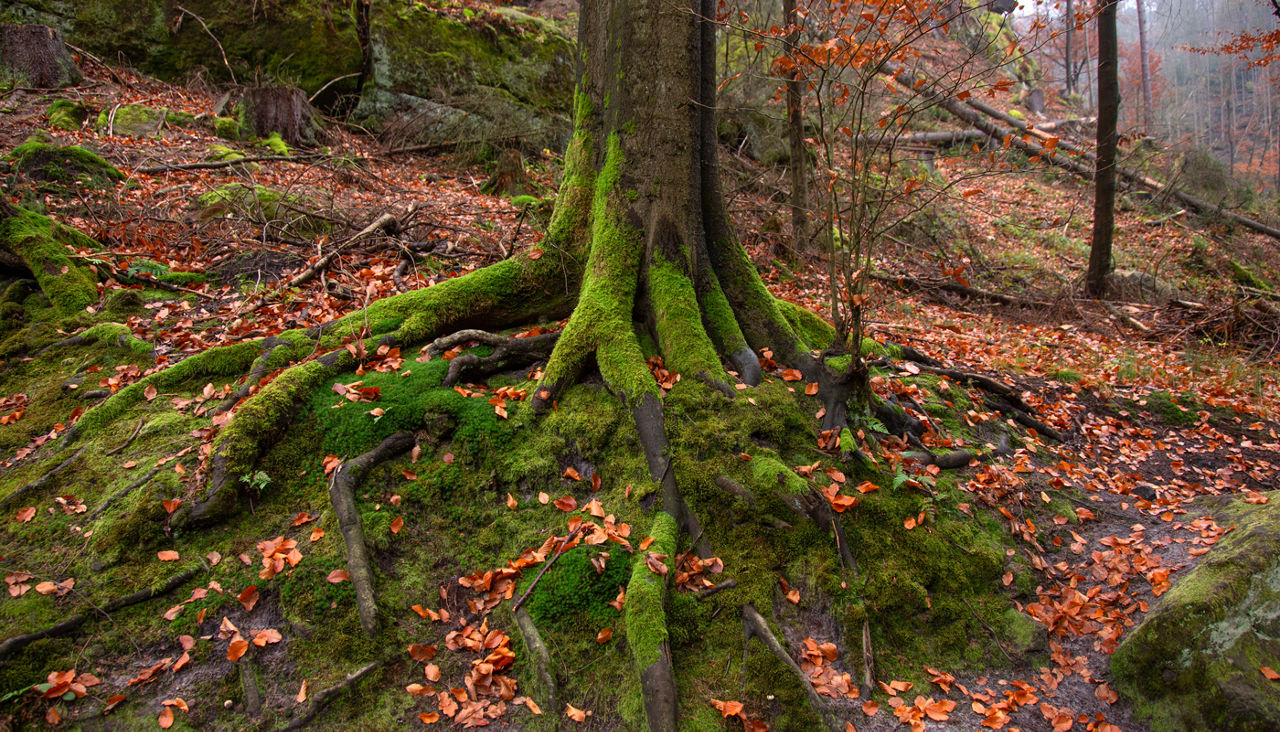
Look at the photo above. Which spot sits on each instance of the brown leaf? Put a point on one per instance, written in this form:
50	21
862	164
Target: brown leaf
432	672
166	718
25	514
396	524
566	504
429	717
576	714
317	534
1270	673
302	693
870	708
604	635
266	637
339	575
422	653
571	474
512	503
167	555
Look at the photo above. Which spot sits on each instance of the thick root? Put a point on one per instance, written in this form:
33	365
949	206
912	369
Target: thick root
647	628
754	626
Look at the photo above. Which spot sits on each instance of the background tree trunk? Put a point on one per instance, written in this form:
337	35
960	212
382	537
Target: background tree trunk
35	56
1148	111
282	109
795	132
1069	65
1104	197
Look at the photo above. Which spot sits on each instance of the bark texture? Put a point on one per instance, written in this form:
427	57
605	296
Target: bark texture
35	56
282	109
1104	197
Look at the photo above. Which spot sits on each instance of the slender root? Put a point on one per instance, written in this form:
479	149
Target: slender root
125	491
249	682
538	650
754	626
322	698
342	495
508	352
73	623
39	483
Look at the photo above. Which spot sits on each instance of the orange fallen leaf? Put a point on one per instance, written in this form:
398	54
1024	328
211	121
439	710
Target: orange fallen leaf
165	720
248	597
317	534
266	637
26	514
396	524
1270	673
422	653
604	635
727	708
432	672
543	498
576	714
302	693
512	503
566	504
870	708
339	575
168	555
237	649
571	474
429	717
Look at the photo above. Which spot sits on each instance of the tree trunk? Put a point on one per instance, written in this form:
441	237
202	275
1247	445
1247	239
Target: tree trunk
1148	111
1104	196
1069	64
35	56
795	132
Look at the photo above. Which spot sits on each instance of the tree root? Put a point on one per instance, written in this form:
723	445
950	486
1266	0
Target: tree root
1015	408
249	682
128	442
754	626
39	483
342	494
536	648
868	662
18	642
515	606
125	491
322	698
507	352
736	490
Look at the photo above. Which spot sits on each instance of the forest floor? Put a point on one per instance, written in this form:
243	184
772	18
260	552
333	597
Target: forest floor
1161	416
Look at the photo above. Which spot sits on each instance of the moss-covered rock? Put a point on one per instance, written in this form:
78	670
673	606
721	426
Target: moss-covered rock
39	159
65	114
495	76
1193	662
136	120
1248	277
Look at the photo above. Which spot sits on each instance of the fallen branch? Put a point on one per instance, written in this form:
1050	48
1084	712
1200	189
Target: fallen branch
754	626
71	624
342	495
323	697
386	222
950	285
219	164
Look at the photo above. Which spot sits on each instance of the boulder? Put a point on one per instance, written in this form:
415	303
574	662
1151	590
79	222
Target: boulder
1194	662
434	78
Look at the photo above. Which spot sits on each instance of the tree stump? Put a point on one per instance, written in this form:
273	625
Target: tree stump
282	109
35	56
508	176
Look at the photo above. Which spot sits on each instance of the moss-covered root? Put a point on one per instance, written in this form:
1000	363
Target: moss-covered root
647	626
321	699
342	493
73	623
754	626
537	650
40	243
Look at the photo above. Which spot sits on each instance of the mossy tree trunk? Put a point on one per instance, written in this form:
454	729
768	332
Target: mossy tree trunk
281	109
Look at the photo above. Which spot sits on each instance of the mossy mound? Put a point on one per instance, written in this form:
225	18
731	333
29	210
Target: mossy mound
67	115
38	159
263	204
41	244
136	120
1193	662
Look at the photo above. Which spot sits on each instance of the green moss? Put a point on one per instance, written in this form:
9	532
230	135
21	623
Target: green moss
228	128
814	332
683	339
131	120
646	592
275	144
67	115
1248	277
42	245
1166	406
572	594
222	152
117	335
39	160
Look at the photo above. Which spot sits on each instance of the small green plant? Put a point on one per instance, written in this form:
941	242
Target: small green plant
258	481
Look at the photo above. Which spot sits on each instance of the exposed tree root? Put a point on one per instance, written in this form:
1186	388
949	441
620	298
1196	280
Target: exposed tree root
132	436
218	164
868	662
125	491
755	626
515	606
39	483
342	494
536	648
728	584
73	623
909	283
1007	400
249	682
733	488
322	698
507	352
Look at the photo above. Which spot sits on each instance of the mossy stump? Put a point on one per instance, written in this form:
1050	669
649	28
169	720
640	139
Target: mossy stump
281	109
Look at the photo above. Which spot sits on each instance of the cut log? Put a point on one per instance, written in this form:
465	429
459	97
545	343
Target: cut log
35	56
282	109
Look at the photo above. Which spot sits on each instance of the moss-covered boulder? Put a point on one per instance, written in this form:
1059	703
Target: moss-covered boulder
39	159
312	43
1193	662
136	120
498	75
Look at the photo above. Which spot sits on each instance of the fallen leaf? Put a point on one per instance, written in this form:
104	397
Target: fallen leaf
167	555
422	653
302	693
267	637
396	524
339	575
26	514
604	635
248	597
575	713
566	504
429	717
165	719
237	649
512	503
432	672
870	708
543	498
